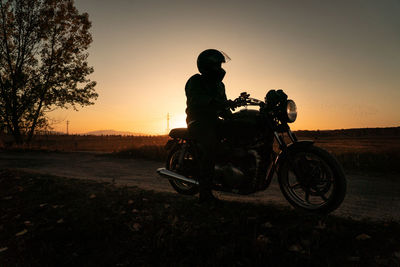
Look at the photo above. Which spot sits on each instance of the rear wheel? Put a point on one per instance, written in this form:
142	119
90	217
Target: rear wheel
186	168
312	179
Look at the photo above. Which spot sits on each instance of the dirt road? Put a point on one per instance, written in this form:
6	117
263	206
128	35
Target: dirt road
376	197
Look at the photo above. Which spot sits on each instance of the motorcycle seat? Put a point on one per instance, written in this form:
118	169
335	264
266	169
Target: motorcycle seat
182	133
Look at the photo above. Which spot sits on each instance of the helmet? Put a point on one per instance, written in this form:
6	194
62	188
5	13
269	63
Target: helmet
210	60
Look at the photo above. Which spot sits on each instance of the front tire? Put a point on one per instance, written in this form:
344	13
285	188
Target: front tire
312	179
185	169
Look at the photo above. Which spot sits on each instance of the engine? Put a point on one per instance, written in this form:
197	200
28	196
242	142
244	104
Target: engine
239	174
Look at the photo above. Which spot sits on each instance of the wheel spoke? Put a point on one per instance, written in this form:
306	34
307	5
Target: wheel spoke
323	197
313	171
295	186
307	198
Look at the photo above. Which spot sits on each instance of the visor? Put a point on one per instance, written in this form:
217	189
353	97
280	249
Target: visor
227	58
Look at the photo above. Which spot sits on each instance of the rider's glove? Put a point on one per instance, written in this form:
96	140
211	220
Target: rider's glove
227	114
232	104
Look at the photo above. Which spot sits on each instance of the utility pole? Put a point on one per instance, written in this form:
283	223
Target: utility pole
167	123
67	126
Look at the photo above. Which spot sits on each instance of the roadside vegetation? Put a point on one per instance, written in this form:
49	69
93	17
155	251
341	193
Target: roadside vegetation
366	150
360	150
53	221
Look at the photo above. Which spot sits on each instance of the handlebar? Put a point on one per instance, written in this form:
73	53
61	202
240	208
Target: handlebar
245	100
274	106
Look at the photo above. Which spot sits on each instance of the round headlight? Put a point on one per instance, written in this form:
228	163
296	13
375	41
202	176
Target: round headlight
291	111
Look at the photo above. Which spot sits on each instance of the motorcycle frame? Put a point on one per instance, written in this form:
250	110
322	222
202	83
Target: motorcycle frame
278	129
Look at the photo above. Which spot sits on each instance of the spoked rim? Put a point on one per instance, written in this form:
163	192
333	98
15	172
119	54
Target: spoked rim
309	181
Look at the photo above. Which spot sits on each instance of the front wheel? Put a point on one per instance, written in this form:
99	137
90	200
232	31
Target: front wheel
312	179
186	168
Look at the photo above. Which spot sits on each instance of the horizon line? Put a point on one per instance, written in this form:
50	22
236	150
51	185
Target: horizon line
161	134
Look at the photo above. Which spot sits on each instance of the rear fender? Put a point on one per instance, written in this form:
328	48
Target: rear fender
171	144
181	146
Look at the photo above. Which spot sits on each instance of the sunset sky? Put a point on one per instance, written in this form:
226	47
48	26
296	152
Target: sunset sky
339	60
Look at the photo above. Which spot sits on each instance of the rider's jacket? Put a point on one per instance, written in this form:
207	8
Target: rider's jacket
206	98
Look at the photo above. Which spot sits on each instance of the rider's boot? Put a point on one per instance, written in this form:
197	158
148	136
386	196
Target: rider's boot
205	194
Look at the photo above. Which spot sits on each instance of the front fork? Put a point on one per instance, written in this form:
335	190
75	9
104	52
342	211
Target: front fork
275	160
281	141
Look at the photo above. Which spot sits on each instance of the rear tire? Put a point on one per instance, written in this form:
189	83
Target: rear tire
173	165
312	179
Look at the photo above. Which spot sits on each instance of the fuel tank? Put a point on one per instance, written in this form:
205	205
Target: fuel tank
243	126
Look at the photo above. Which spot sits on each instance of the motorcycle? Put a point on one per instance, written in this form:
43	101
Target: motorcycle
309	177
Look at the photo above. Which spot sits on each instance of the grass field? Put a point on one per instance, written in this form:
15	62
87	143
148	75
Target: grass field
375	149
52	221
107	143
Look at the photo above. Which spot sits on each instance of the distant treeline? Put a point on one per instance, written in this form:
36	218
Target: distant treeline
104	143
356	132
389	131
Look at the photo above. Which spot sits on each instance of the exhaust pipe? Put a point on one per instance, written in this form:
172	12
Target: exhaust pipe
163	172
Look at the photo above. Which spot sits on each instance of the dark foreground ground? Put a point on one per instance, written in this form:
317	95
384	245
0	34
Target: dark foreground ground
52	221
369	195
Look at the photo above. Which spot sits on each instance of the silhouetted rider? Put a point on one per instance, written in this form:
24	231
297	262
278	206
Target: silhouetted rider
206	101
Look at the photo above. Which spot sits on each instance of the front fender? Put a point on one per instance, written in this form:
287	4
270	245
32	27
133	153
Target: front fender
283	156
299	145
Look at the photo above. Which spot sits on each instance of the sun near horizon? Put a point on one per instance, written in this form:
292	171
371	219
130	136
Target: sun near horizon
339	61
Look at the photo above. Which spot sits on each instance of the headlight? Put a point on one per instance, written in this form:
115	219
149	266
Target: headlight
291	110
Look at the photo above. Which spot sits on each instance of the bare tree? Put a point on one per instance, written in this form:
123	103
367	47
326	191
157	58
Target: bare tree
43	62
